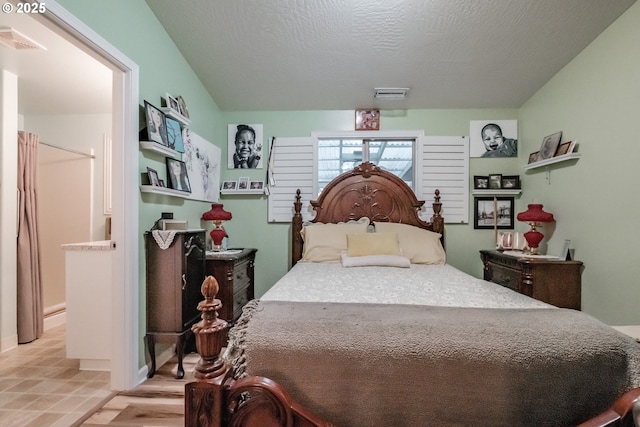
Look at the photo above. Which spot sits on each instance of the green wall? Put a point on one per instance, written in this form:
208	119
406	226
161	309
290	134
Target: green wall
594	99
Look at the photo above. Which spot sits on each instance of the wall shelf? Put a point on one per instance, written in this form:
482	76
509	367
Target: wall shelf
551	161
241	192
179	117
165	191
496	192
159	148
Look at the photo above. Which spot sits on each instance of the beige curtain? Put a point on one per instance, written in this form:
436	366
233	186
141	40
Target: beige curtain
30	310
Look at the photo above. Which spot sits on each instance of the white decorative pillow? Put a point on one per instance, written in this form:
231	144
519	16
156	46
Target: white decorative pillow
325	242
361	244
419	245
375	261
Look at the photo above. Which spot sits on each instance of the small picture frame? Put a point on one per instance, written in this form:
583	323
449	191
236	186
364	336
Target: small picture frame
172	104
495	181
481	182
243	183
565	253
493	212
565	148
177	176
256	185
174	135
183	107
367	120
534	157
154	179
229	185
511	182
550	145
156	124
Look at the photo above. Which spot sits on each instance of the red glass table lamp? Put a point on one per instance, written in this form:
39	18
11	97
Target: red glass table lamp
535	216
217	214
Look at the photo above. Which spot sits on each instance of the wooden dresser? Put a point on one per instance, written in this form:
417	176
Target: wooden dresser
174	279
549	280
235	275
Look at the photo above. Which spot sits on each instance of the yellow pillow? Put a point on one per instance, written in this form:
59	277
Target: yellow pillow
325	242
362	244
419	245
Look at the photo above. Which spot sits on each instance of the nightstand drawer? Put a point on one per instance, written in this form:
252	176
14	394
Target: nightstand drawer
506	277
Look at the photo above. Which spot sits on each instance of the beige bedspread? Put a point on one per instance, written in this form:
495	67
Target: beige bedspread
407	365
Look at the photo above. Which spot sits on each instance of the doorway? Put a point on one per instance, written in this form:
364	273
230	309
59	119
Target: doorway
125	373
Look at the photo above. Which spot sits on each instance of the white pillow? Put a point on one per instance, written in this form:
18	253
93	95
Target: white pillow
374	261
419	245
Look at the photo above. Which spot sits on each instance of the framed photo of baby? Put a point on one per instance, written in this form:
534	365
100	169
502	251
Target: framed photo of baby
493	138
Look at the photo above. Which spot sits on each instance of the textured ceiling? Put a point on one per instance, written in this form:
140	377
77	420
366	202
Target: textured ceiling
330	54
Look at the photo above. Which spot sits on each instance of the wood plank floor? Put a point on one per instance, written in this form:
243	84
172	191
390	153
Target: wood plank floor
157	402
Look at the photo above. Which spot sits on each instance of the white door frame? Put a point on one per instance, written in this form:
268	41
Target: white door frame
125	374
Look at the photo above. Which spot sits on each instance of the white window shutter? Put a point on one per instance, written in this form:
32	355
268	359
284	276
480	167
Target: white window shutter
292	166
443	164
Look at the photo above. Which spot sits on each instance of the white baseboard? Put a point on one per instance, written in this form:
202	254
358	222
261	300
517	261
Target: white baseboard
57	319
161	359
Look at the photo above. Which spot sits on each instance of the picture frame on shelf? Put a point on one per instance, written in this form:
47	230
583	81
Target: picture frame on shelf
256	185
156	124
184	111
229	185
174	135
367	119
511	182
495	181
154	179
172	104
481	182
493	213
533	157
565	148
243	183
550	145
177	176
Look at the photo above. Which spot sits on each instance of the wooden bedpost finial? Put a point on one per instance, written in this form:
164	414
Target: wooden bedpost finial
209	332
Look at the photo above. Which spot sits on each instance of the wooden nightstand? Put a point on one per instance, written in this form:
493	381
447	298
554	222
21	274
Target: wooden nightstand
235	275
549	280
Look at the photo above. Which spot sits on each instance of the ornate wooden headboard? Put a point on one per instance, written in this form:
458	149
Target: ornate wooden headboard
365	191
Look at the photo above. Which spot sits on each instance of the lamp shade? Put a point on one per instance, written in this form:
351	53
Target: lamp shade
217	214
534	215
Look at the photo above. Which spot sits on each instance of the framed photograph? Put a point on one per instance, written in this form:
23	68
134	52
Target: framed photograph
565	148
495	181
493	138
480	182
154	179
245	146
490	213
565	254
229	185
156	124
172	104
256	185
243	183
182	107
511	182
367	119
177	175
550	145
174	135
162	183
533	157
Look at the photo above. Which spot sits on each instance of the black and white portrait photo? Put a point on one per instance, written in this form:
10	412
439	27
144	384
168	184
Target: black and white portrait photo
156	124
493	138
177	175
245	146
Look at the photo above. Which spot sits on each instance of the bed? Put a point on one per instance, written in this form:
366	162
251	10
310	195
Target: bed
371	327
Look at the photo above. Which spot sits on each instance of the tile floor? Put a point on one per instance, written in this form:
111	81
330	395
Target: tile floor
40	387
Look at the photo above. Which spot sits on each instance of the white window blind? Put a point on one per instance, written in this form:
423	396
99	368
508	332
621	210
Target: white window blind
442	162
292	166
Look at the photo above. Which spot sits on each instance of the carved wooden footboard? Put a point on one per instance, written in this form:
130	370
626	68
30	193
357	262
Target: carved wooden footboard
215	399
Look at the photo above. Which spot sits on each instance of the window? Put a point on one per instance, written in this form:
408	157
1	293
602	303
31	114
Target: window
338	155
425	163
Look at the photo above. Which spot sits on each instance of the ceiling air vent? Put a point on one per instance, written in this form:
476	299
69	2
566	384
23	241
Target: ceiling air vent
18	41
391	92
